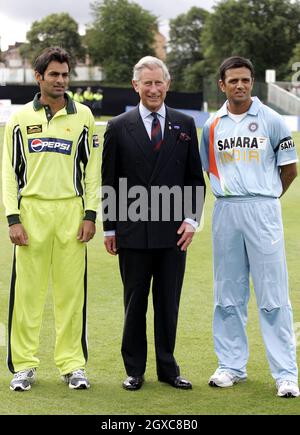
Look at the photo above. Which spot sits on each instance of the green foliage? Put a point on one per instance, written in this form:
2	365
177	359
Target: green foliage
266	31
122	33
186	51
54	30
296	54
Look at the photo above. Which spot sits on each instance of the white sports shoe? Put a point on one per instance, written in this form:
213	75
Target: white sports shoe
23	380
77	380
287	389
223	378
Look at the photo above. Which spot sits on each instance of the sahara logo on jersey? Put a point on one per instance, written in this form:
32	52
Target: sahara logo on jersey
287	144
252	142
241	149
50	145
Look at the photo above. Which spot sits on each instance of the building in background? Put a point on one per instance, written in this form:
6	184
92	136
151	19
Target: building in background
16	70
160	46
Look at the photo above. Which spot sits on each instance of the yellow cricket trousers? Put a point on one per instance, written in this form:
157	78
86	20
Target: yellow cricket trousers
53	248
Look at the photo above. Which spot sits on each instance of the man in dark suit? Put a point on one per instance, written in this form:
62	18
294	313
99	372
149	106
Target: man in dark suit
149	148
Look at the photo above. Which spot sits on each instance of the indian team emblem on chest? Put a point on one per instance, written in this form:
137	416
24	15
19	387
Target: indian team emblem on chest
253	126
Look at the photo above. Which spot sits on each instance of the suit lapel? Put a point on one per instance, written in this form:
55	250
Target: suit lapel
169	142
137	130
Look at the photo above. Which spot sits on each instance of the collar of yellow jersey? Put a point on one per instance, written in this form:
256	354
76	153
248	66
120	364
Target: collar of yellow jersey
70	105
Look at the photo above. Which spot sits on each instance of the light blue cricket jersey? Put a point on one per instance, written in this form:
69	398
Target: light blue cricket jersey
243	158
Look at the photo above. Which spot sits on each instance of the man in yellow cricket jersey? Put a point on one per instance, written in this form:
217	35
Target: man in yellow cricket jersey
50	192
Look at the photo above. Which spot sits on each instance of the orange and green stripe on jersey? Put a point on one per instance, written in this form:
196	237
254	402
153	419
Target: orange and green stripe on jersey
212	158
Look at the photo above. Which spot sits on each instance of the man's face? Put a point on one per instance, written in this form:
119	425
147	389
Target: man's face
237	85
152	88
55	80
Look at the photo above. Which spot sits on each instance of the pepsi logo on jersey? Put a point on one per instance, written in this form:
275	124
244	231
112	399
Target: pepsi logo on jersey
53	145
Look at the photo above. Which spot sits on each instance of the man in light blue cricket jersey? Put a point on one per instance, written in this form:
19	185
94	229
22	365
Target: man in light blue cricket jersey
250	157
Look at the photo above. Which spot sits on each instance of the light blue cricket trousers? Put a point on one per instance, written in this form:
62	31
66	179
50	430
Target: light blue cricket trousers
248	239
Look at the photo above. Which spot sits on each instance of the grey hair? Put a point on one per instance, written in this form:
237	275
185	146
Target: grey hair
151	63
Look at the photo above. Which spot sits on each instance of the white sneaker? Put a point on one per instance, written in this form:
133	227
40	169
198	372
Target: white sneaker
287	389
23	380
77	380
223	378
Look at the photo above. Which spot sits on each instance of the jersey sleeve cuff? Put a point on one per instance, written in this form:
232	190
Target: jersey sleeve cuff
90	215
288	162
13	219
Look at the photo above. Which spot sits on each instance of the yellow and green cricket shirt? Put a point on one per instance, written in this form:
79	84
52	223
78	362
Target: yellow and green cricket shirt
51	157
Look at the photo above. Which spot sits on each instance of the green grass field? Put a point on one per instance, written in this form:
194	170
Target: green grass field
194	349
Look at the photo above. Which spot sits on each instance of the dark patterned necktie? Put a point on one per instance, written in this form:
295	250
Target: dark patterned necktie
156	134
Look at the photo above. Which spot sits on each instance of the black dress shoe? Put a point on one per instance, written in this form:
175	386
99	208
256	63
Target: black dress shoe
133	383
177	382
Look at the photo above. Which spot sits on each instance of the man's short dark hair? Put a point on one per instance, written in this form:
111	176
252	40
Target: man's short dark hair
235	62
48	55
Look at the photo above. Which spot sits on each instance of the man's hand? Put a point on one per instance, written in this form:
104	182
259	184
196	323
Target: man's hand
187	232
110	244
18	235
86	231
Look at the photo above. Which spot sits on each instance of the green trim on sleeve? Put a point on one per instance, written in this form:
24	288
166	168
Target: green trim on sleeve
13	219
90	215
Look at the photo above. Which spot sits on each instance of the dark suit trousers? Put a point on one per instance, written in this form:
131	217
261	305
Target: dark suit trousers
166	268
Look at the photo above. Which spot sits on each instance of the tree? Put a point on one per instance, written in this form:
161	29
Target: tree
186	53
120	35
54	30
265	31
